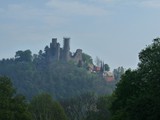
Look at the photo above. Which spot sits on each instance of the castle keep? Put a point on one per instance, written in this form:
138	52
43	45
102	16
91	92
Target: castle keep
55	53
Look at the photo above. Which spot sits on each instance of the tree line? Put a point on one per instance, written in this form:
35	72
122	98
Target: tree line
136	96
15	107
74	88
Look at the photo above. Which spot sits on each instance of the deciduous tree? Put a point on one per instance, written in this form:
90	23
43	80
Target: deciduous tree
12	107
43	107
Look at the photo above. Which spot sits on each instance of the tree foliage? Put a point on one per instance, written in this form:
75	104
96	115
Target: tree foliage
78	107
101	110
43	107
87	58
106	67
61	80
23	55
12	107
118	73
64	81
98	61
137	95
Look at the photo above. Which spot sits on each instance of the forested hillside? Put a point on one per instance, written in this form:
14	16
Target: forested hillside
32	74
62	80
75	83
64	90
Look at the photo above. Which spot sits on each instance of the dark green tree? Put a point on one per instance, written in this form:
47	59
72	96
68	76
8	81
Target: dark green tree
137	95
23	56
106	67
12	107
126	90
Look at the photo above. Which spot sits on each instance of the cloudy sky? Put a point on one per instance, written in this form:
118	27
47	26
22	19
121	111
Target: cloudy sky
113	30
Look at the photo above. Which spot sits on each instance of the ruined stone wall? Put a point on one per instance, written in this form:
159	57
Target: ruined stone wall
77	57
56	53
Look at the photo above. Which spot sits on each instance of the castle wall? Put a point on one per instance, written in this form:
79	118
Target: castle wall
77	57
56	53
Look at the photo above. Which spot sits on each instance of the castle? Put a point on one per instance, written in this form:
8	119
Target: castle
56	53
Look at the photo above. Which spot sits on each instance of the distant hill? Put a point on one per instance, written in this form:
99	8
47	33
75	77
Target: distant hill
55	71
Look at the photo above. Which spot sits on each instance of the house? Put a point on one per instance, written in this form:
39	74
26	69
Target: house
109	76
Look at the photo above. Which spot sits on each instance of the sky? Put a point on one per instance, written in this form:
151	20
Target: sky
113	30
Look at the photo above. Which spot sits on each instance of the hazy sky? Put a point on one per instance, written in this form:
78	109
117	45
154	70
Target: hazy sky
113	30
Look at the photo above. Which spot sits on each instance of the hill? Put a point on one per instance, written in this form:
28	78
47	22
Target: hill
55	71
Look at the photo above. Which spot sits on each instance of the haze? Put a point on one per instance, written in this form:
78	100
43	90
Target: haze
114	30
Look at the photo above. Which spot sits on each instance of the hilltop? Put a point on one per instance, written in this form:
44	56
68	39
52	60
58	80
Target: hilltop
55	71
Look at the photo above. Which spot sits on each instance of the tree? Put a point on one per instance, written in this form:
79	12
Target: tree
107	68
23	56
78	107
137	94
12	107
98	61
118	73
126	90
87	58
43	107
101	110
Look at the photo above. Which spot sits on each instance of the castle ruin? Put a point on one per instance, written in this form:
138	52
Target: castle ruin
56	53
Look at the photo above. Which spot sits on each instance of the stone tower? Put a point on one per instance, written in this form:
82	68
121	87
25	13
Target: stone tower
54	41
53	46
54	50
66	49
